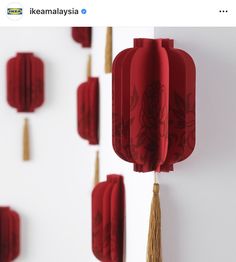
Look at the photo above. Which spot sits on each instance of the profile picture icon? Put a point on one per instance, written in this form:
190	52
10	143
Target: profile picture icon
14	11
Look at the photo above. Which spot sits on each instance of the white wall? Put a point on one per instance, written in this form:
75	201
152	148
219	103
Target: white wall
199	199
52	192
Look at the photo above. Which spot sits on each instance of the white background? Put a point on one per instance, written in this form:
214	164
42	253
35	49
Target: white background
52	192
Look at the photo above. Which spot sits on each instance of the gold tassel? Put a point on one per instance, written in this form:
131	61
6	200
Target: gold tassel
108	51
26	143
154	234
89	65
96	175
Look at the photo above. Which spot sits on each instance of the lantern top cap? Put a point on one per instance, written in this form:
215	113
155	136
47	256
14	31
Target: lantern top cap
5	208
115	178
168	43
141	42
24	53
146	42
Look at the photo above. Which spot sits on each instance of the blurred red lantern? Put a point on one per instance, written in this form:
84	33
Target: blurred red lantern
88	110
25	82
108	219
82	35
88	113
25	88
153	111
9	234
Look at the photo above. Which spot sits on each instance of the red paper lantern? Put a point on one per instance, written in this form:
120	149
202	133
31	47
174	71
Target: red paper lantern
108	219
25	88
153	105
153	109
25	82
9	234
88	110
82	35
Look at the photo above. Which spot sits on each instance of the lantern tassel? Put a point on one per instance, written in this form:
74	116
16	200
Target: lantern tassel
96	174
154	234
26	142
108	51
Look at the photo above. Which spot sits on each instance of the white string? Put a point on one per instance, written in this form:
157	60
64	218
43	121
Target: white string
155	177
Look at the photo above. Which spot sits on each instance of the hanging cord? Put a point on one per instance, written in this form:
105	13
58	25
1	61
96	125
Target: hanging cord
96	173
26	141
155	177
89	66
154	234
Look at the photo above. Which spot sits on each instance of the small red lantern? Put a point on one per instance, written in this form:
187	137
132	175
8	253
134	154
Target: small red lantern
108	219
153	114
88	113
25	82
82	35
9	234
88	110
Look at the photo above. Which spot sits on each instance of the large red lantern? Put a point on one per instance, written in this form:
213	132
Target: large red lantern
25	87
108	219
9	234
153	112
82	35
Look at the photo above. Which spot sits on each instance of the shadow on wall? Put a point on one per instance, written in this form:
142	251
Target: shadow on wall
171	225
215	107
215	91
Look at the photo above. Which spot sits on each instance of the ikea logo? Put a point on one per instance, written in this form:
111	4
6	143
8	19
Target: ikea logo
14	11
